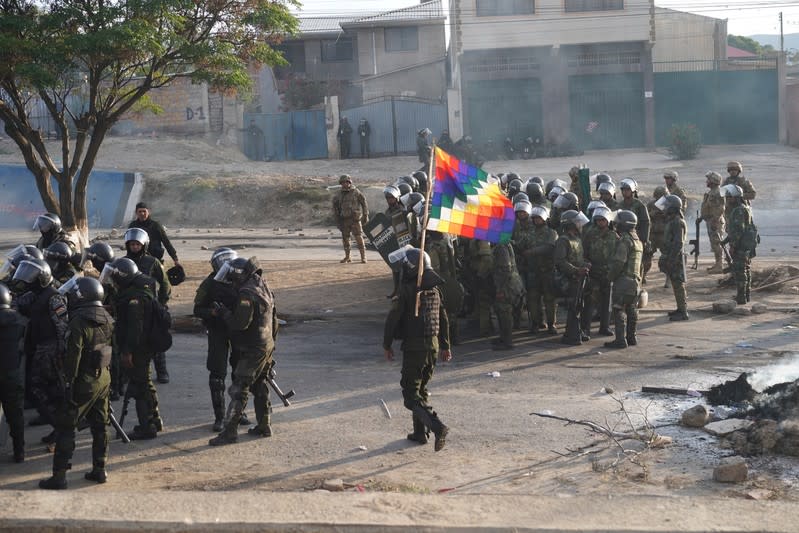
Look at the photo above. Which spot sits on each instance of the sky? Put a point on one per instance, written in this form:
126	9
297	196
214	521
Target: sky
745	17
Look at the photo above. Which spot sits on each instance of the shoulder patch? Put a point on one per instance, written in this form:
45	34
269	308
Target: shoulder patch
133	301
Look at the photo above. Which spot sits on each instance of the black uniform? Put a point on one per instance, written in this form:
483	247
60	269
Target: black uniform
158	239
12	390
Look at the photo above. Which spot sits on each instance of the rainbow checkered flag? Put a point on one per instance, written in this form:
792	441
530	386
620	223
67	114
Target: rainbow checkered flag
465	203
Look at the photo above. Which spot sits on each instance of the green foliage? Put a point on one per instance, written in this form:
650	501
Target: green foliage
303	94
685	140
107	56
750	45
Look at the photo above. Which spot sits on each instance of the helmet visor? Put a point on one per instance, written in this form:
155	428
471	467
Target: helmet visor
106	276
561	202
27	272
70	285
662	203
398	255
43	224
223	274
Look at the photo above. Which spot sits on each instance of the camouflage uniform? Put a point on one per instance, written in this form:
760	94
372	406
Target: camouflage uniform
599	245
481	264
422	337
712	212
657	225
253	329
88	384
740	220
746	186
12	388
219	339
350	212
672	261
569	258
442	258
625	274
576	189
642	213
535	244
508	292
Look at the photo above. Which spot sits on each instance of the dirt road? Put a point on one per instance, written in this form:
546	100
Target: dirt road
330	354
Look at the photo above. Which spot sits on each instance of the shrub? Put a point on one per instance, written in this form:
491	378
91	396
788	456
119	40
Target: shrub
685	140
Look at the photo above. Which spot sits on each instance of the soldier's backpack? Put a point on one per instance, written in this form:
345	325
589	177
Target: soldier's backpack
750	238
159	338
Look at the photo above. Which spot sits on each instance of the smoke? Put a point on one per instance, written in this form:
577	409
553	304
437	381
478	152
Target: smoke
782	372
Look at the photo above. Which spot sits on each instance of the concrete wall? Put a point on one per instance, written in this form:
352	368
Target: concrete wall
792	113
318	70
185	111
683	36
550	25
425	81
373	58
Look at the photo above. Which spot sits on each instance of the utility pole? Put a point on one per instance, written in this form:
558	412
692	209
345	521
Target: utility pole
782	38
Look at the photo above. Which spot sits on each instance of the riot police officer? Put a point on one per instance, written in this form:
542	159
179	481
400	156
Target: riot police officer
625	273
573	268
49	225
12	387
672	260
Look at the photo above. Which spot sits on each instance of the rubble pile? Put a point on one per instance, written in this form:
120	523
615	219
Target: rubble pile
770	279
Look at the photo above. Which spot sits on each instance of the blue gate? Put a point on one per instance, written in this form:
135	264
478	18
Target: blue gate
285	136
394	123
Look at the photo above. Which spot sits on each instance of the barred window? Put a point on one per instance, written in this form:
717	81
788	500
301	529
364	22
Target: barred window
576	6
495	8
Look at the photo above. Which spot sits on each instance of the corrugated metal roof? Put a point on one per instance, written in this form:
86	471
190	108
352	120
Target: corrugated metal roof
425	11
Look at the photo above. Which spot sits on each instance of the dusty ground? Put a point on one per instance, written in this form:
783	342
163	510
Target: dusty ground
330	354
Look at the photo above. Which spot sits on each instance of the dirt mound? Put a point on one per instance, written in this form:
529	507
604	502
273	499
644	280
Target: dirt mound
770	279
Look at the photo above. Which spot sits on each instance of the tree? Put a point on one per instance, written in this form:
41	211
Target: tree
750	45
91	61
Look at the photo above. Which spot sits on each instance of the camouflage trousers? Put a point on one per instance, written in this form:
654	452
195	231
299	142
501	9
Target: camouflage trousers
742	274
540	296
351	227
250	374
89	401
417	371
714	237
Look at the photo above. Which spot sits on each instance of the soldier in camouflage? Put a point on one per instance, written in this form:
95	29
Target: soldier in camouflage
670	178
599	245
508	293
672	260
742	244
442	258
657	224
712	213
625	273
425	339
86	382
570	264
574	186
350	212
736	177
535	243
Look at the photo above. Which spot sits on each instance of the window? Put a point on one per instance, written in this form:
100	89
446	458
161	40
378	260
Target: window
402	39
294	52
337	49
575	6
494	8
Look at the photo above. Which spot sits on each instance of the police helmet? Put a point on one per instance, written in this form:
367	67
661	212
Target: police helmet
536	179
510	176
554	193
601	178
137	235
523	206
555	183
735	165
410	180
421	179
176	275
410	200
99	253
669	202
713	177
5	297
541	212
222	256
404	188
119	272
626	220
47	223
391	191
57	254
731	191
572	219
514	187
15	256
238	270
518	197
566	201
602	212
607	187
408	258
86	292
33	273
629	183
535	191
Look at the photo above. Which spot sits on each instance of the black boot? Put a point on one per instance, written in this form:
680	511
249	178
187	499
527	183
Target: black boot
431	422
419	431
227	436
58	481
620	341
160	367
98	475
217	387
148	432
632	327
19	450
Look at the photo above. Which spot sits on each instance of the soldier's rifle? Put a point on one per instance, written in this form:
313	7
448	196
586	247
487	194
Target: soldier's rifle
284	397
125	404
117	426
695	243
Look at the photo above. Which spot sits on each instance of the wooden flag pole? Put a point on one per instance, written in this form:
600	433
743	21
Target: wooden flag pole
420	266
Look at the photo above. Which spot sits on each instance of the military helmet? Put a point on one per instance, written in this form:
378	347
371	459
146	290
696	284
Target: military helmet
536	179
629	183
85	292
33	273
57	253
572	218
391	191
601	178
669	202
731	191
514	186
660	192
404	188
420	176
47	223
344	178
574	172
518	197
595	204
671	174
222	256
99	253
626	220
535	191
523	205
541	212
5	297
554	193
713	177
602	212
512	176
137	235
555	183
567	200
410	180
607	187
735	165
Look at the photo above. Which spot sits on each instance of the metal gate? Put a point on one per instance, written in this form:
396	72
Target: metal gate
285	136
394	123
607	110
731	102
503	108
